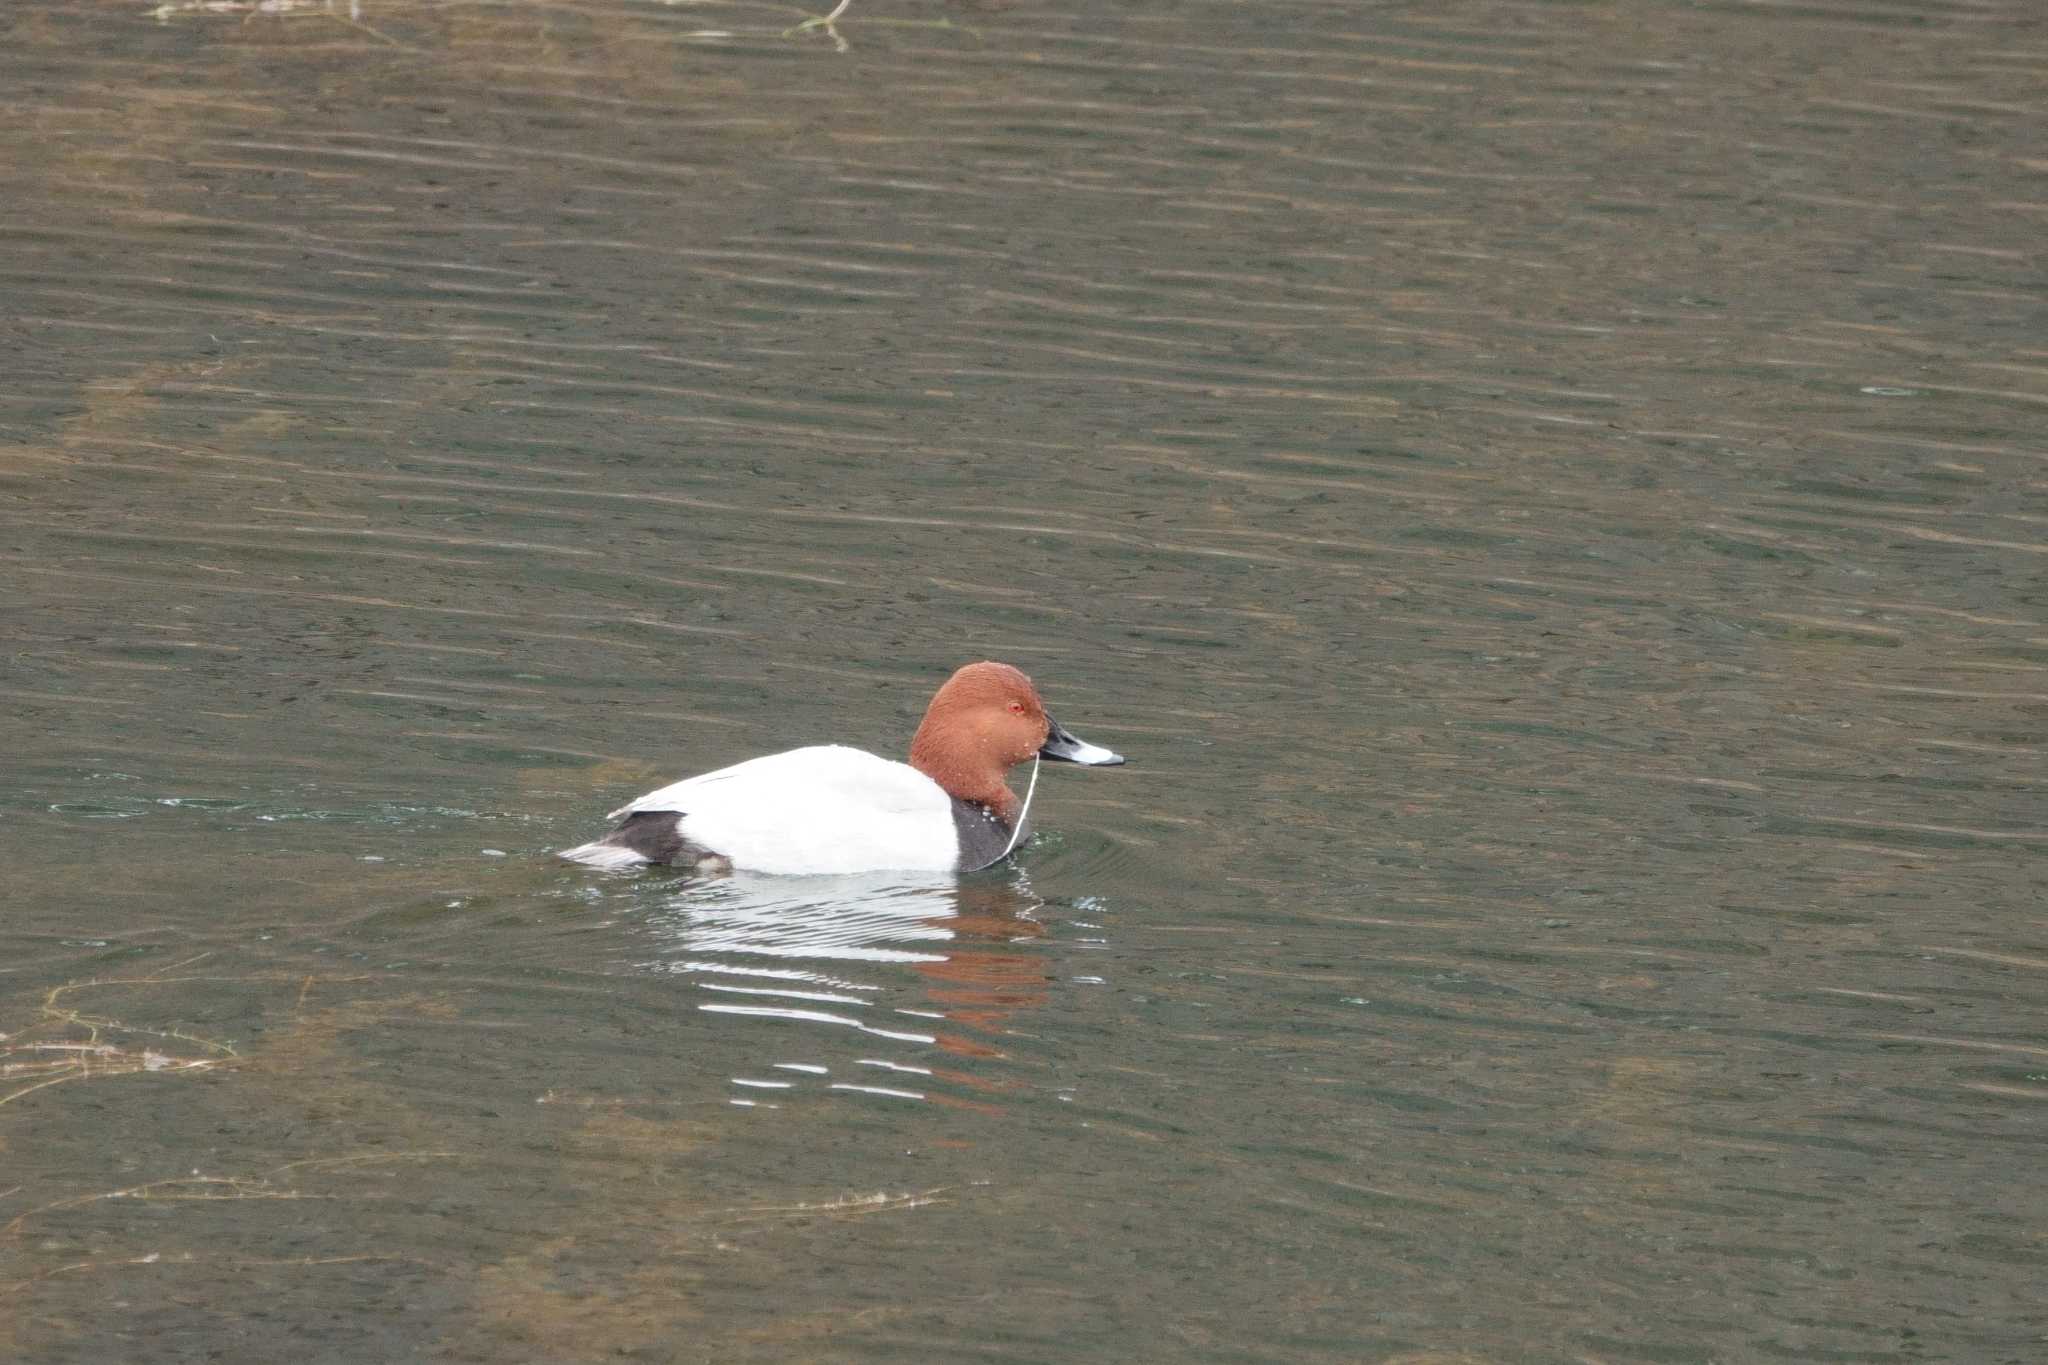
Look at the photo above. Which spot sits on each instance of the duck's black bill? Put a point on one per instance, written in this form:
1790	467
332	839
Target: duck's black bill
1061	744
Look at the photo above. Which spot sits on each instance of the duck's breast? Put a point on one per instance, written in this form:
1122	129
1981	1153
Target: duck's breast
823	809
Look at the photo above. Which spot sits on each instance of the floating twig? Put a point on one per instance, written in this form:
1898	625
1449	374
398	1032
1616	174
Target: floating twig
829	23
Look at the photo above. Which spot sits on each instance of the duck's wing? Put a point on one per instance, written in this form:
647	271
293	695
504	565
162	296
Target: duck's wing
678	795
830	773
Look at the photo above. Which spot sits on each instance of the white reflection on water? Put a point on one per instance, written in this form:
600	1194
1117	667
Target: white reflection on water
818	1017
867	918
859	956
351	11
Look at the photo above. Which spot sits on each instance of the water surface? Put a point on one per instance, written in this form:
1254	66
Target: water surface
1550	498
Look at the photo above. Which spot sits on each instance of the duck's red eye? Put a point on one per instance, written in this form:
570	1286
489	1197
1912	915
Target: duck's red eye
1016	708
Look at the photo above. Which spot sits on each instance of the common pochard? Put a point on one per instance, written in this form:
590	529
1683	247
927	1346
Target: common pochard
831	809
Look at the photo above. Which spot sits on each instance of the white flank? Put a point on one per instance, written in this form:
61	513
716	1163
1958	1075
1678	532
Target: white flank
825	809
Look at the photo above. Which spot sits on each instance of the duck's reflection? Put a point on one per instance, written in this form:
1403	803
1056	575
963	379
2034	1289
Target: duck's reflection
914	972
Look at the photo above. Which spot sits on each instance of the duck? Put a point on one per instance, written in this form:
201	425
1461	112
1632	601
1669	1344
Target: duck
827	809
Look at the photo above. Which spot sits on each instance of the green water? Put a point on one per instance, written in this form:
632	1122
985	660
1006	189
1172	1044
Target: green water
1549	497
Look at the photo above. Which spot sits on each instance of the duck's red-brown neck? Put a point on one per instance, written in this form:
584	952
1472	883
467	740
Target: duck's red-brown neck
963	769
